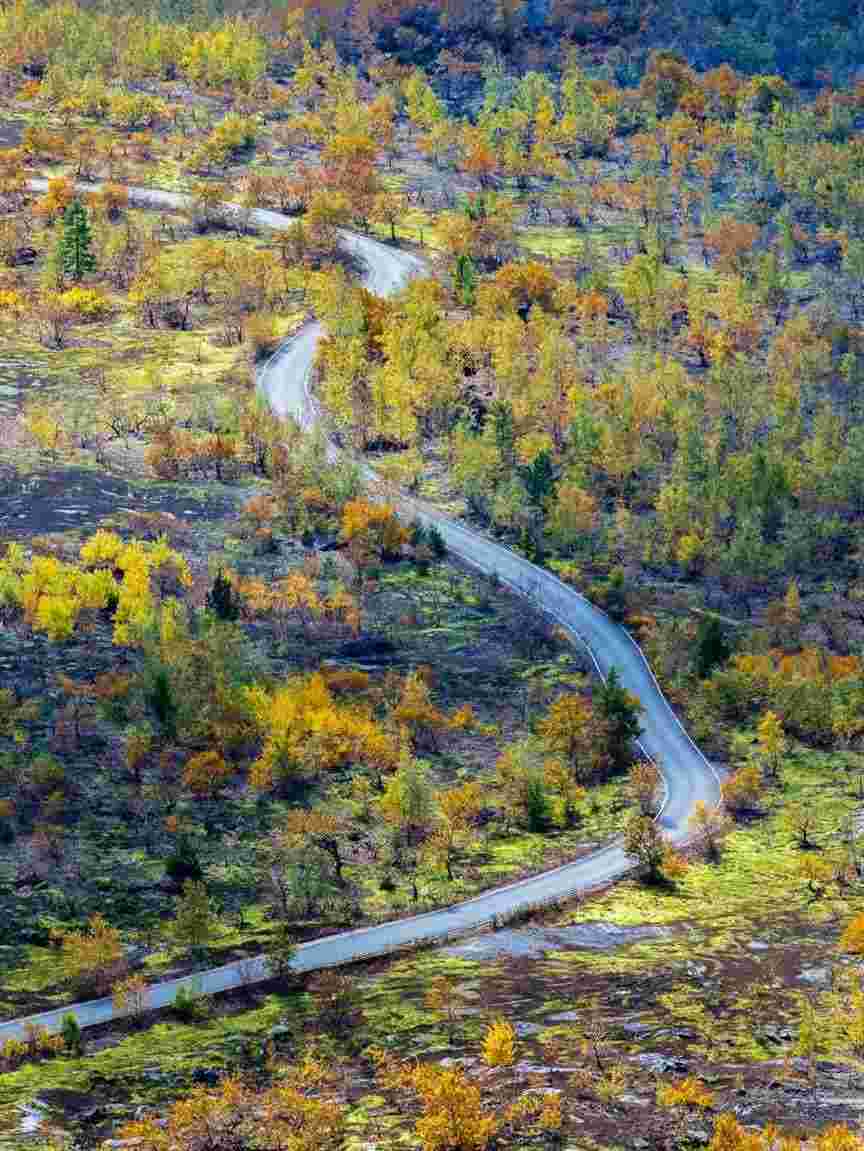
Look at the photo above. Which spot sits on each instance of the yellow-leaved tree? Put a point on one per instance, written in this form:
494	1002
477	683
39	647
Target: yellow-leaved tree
372	531
499	1044
453	1113
771	743
298	1113
458	808
306	730
852	939
92	958
137	577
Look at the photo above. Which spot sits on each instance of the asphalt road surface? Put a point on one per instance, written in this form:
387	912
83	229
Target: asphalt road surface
687	775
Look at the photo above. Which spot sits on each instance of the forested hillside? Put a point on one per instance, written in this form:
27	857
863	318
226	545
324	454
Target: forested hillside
292	297
809	42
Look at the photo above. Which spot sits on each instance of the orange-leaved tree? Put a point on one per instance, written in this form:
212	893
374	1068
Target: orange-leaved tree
306	730
205	773
92	958
372	531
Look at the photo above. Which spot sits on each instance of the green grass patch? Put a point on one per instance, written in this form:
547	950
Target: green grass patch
172	1047
759	875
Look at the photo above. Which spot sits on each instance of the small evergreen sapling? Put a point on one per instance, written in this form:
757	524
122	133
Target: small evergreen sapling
712	648
75	248
71	1033
222	599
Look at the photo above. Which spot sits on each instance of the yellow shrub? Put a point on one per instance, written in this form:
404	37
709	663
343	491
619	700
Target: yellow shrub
56	617
852	939
529	446
85	303
689	1092
551	1118
453	1114
44	426
36	1044
689	551
499	1044
52	594
102	548
11	303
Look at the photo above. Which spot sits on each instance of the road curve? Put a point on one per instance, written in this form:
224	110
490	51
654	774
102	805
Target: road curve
687	774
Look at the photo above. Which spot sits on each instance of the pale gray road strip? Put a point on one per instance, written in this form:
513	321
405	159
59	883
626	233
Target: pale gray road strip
687	774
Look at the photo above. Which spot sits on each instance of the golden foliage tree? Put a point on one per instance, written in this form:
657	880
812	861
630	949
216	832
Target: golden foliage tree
852	939
94	957
499	1044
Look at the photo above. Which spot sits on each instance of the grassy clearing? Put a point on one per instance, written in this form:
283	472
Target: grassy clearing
759	877
172	1048
29	973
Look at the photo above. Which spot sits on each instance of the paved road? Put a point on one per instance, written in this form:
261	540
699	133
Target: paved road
687	774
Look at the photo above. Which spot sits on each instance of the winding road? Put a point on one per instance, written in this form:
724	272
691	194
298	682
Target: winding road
687	774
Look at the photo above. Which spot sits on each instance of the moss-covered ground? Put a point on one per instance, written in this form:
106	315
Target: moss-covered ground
485	650
748	949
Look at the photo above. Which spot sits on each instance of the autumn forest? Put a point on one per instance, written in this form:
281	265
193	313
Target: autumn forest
431	575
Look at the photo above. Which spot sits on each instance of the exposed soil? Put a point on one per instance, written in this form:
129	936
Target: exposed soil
536	942
57	500
11	132
17	376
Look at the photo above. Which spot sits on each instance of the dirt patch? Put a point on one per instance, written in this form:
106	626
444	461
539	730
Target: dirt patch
19	379
537	942
76	498
11	132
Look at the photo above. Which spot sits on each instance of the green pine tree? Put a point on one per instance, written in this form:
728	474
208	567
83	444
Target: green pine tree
195	923
712	648
75	251
466	280
536	802
620	712
222	599
539	478
501	412
160	696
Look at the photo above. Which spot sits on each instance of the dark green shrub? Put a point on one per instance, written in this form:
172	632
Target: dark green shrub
190	1005
162	702
436	542
183	864
71	1033
222	599
536	803
712	649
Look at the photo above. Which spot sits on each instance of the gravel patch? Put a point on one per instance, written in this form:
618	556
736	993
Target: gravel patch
535	943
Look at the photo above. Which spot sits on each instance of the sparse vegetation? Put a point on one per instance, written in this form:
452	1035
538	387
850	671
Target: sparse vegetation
248	700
